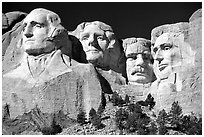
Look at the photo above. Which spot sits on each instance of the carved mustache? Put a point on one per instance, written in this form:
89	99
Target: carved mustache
138	70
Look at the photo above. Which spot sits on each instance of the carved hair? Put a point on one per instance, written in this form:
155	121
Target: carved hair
130	41
106	28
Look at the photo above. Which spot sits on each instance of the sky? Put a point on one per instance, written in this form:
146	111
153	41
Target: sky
127	19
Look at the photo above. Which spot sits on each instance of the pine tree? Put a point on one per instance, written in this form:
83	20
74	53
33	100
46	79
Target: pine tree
81	118
191	125
136	108
115	98
153	128
162	121
94	118
132	122
150	101
175	116
162	129
121	117
141	131
137	120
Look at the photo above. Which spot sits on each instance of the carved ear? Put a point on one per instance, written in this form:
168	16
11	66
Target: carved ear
53	19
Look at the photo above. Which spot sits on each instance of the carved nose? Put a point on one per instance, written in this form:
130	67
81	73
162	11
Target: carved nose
27	32
28	35
139	60
92	41
158	56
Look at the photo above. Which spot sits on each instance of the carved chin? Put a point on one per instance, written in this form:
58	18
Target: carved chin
140	79
33	52
93	57
164	73
33	49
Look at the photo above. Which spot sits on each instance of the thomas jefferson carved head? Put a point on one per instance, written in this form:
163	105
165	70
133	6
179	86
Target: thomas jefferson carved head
99	43
42	32
139	60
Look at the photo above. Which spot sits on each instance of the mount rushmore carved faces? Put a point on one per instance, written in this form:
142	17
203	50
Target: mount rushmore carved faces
43	40
99	42
173	57
46	77
139	60
94	43
40	27
167	54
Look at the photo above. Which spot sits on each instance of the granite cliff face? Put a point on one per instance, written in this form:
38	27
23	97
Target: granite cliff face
190	96
61	98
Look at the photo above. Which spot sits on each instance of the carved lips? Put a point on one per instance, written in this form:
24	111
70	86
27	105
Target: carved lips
93	50
29	40
162	66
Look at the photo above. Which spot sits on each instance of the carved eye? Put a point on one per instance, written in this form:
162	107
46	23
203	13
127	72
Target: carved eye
100	38
167	48
84	38
38	26
155	50
131	58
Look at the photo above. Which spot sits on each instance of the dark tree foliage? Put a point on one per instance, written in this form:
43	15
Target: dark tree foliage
134	108
52	130
132	122
175	116
141	131
150	101
162	121
153	128
81	118
92	112
162	129
117	99
132	119
142	103
121	117
142	125
94	118
191	125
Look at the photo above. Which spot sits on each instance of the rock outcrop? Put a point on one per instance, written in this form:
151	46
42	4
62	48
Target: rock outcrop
190	96
52	100
10	19
42	91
